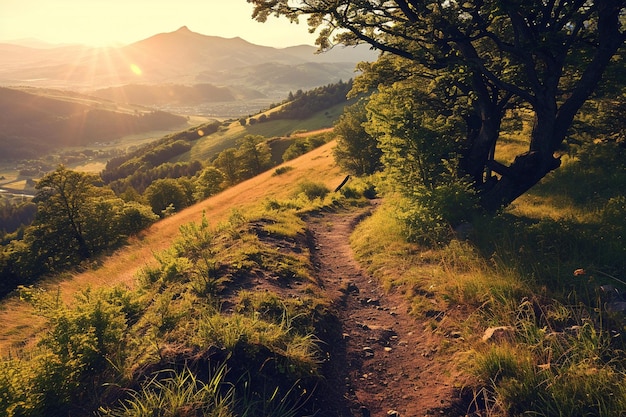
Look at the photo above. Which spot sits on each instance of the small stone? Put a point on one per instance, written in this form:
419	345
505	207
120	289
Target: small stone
494	334
393	413
368	351
388	349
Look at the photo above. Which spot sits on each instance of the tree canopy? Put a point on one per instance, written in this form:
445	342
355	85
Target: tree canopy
482	58
357	151
76	218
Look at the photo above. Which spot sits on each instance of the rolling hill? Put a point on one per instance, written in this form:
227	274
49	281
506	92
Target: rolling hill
177	94
35	121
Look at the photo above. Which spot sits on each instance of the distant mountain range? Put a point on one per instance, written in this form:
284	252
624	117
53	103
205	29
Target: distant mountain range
181	57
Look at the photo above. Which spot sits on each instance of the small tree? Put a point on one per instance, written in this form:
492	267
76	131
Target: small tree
357	151
254	156
209	182
227	163
164	193
135	217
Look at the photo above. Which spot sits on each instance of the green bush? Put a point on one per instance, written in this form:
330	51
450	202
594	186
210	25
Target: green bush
83	351
135	217
312	190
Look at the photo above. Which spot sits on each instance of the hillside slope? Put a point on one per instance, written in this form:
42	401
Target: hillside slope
371	352
20	322
35	121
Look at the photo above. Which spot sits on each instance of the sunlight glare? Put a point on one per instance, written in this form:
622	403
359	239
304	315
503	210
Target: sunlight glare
135	69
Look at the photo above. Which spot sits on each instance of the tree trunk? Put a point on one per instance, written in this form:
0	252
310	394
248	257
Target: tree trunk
551	120
528	168
83	248
480	142
526	171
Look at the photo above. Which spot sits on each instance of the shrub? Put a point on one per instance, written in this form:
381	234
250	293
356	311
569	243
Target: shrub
282	170
312	190
82	352
135	217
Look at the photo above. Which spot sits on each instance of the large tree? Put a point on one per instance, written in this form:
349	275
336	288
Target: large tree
63	210
545	55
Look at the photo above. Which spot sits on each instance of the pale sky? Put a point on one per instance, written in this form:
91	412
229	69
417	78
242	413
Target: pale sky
110	22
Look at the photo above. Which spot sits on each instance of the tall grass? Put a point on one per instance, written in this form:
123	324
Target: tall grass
549	271
171	393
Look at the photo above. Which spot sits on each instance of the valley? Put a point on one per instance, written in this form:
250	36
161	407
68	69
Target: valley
83	103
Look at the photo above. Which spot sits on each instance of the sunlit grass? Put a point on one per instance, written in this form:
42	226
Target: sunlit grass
174	393
227	137
209	291
250	331
540	271
123	265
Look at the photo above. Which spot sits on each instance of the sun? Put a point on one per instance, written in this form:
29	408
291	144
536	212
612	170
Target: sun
135	69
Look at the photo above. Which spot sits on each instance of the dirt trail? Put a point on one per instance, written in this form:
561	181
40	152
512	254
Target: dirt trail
385	364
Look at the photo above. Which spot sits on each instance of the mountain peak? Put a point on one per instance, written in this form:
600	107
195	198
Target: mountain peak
183	29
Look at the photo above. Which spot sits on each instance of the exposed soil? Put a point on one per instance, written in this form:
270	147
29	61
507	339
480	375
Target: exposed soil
383	363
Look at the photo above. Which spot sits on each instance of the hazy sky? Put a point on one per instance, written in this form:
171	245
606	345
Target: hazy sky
107	22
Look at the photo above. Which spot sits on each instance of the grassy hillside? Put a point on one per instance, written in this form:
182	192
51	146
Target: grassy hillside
227	230
529	303
121	267
209	146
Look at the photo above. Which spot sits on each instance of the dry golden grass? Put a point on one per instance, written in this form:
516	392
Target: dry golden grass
20	324
92	166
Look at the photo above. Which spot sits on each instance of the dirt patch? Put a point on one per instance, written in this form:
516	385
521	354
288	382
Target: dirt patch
382	361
